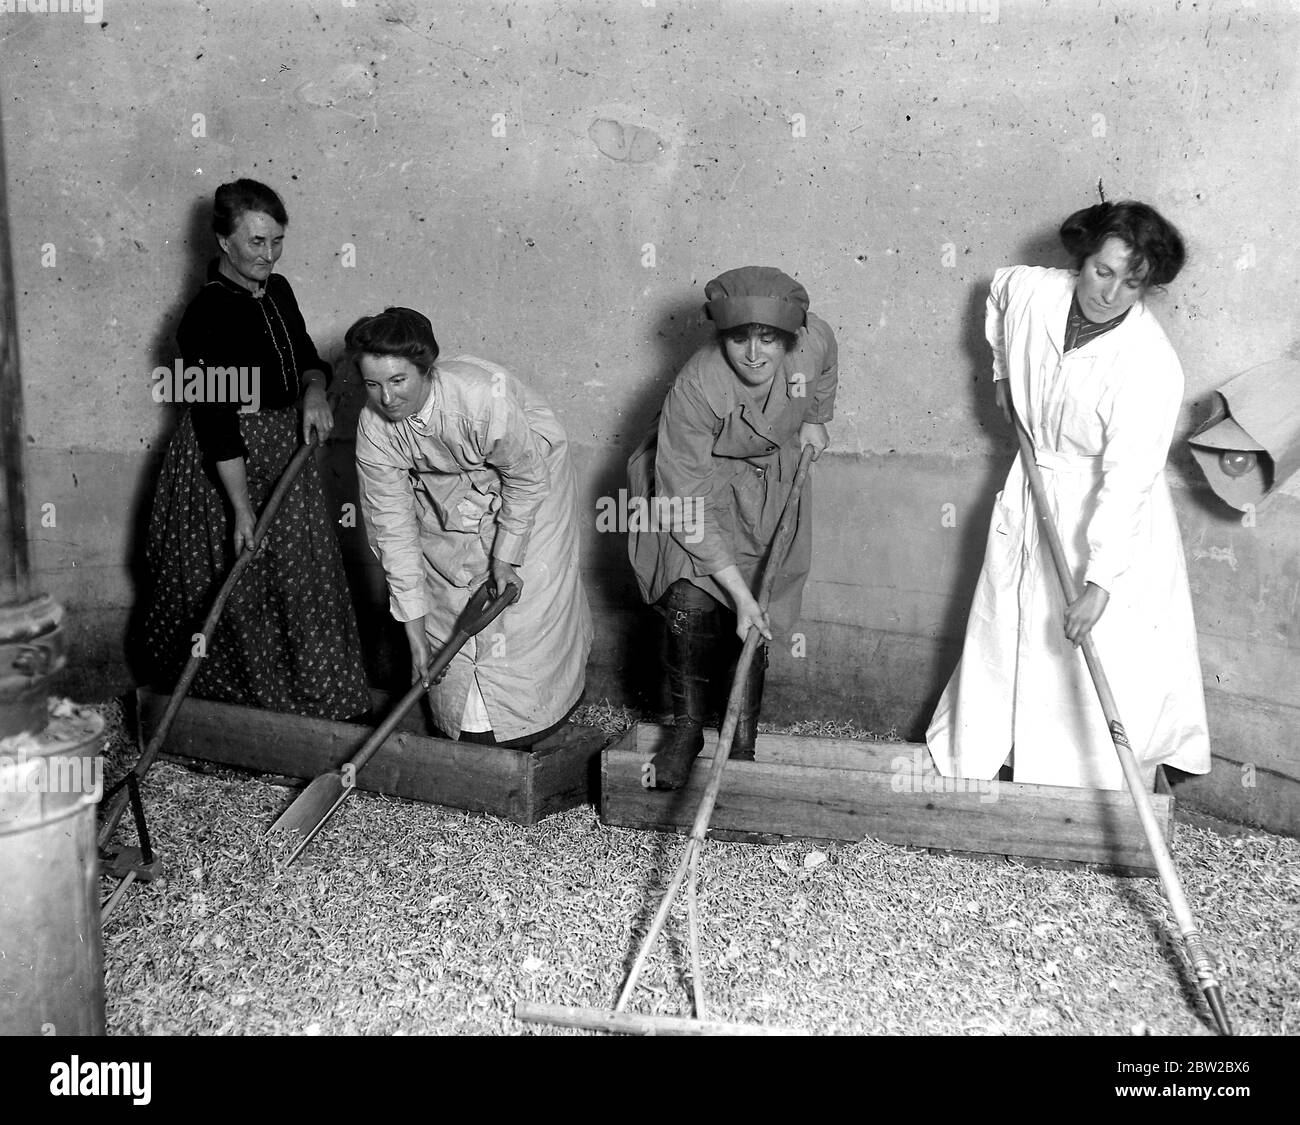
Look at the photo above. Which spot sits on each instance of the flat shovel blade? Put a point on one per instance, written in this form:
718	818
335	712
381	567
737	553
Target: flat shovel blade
312	805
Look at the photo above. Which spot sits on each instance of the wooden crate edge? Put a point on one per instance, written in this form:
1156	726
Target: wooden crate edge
1127	851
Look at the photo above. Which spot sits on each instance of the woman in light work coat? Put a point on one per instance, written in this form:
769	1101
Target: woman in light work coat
1097	384
724	452
465	478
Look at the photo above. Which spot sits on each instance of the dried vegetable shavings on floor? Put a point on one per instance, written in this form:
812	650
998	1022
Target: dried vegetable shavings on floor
405	918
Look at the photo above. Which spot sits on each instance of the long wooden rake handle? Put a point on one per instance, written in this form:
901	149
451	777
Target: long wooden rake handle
117	807
780	546
1169	880
776	556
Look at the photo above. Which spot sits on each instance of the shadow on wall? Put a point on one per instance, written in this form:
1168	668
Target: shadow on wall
163	352
1042	248
630	634
974	529
383	640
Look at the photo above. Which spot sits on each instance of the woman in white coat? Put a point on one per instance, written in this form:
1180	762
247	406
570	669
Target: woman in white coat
1090	372
466	478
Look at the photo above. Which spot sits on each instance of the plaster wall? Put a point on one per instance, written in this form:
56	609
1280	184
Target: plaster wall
554	183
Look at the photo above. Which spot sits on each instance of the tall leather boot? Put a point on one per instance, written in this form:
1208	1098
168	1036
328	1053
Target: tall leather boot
742	746
692	637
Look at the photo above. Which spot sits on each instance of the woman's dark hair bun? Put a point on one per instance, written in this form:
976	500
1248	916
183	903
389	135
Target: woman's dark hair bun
1153	241
239	196
396	331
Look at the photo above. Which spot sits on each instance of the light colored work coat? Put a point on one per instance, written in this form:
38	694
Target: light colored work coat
484	470
728	464
1101	419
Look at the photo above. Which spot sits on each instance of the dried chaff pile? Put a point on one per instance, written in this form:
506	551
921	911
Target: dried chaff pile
405	918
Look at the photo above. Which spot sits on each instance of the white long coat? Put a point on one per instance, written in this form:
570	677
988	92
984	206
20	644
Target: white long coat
1101	419
483	471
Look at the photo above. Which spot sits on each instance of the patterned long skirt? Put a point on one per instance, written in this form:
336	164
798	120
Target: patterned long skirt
287	639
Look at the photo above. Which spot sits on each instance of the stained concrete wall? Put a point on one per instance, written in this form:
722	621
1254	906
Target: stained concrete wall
553	184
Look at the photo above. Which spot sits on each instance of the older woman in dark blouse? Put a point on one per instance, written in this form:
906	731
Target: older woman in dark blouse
287	639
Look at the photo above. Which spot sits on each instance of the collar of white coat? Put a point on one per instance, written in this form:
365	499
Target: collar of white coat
1061	310
422	418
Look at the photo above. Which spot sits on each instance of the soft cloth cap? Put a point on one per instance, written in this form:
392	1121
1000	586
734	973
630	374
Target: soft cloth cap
756	295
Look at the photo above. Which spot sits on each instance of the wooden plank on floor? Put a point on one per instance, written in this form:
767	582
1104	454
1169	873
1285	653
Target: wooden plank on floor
904	803
790	749
517	785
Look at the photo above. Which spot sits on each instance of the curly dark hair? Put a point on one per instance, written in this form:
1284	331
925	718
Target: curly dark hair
1153	241
234	199
396	331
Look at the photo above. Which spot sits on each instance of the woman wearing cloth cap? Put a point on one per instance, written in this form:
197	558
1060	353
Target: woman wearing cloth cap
465	478
724	451
1092	376
287	638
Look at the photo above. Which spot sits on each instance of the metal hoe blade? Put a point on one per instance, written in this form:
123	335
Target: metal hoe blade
313	805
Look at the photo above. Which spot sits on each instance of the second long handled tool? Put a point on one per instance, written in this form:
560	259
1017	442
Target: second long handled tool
313	807
120	794
619	1019
1169	881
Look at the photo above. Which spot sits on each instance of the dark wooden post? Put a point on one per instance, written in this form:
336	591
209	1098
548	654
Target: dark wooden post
14	560
52	971
31	640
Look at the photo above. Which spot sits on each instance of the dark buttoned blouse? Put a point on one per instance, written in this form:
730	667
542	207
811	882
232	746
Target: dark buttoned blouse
227	325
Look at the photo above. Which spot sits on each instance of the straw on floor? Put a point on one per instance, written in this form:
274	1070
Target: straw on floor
423	920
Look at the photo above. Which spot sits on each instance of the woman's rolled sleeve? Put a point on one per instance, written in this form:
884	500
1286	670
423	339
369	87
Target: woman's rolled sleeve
684	470
392	525
995	308
822	407
216	429
216	425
